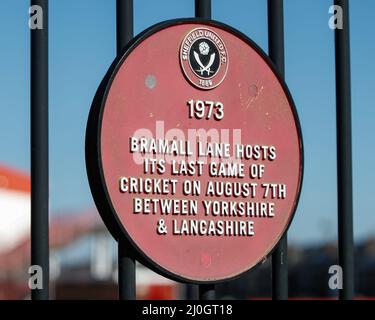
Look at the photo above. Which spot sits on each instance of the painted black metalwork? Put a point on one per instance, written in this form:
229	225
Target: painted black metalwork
39	149
276	53
126	272
40	163
126	261
344	153
203	9
190	291
207	292
124	23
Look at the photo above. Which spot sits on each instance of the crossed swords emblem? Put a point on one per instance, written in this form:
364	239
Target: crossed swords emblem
206	68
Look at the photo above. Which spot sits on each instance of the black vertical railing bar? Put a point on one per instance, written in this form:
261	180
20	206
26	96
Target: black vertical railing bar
344	153
207	292
191	292
126	272
39	148
126	261
124	23
203	10
276	53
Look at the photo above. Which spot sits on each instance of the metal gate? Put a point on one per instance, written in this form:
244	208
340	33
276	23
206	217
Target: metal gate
126	261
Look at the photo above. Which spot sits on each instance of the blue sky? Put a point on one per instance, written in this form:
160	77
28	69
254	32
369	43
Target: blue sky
82	46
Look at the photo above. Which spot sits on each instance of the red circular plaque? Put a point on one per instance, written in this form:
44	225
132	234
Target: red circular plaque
194	151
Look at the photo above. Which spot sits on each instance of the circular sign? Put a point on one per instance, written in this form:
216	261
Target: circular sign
194	151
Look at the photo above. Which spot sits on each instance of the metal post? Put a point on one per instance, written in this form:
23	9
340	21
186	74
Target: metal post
191	291
39	148
203	9
280	270
276	53
126	272
124	23
206	292
344	153
126	262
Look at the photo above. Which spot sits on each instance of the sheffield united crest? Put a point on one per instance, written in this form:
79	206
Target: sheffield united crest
204	58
